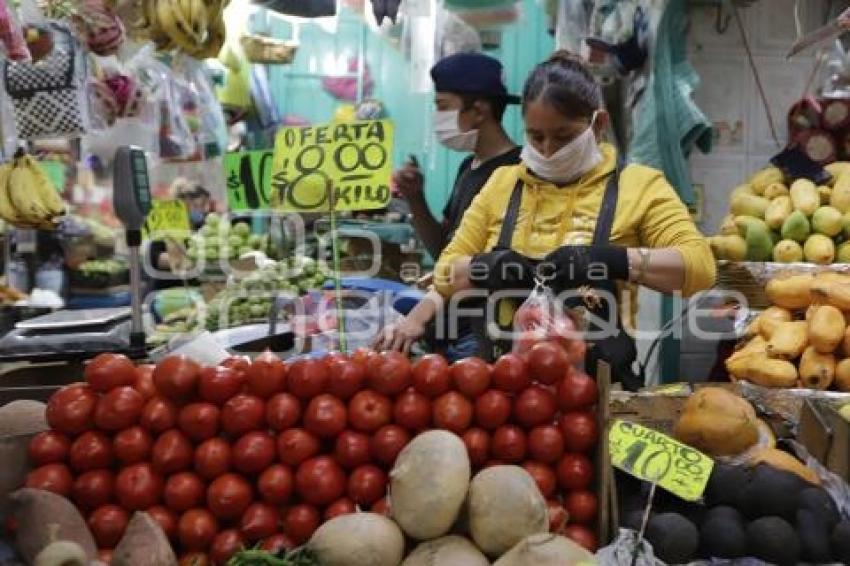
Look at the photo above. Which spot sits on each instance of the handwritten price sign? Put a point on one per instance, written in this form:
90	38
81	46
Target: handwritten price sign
350	161
655	457
167	218
249	179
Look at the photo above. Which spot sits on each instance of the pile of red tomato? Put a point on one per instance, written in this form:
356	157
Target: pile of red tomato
264	452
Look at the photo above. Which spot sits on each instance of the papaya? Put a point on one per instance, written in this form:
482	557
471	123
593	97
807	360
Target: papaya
842	375
788	341
833	293
791	291
840	198
826	329
749	205
769	372
796	227
770	318
777	211
825	194
804	196
717	422
775	190
817	370
783	461
762	179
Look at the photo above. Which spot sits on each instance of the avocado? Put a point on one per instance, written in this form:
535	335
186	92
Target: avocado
674	539
774	540
771	492
722	537
814	537
840	542
726	484
820	502
725	513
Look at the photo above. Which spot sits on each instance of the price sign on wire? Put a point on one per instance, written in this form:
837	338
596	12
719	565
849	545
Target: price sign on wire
352	159
249	176
655	457
167	218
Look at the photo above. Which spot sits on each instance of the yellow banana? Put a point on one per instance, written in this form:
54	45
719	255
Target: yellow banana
7	209
21	190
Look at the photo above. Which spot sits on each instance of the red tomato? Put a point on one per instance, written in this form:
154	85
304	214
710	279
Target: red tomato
48	447
283	411
471	376
382	507
105	555
194	559
390	375
452	411
345	378
218	384
431	376
172	452
197	529
132	445
254	452
492	409
108	371
343	506
158	415
93	489
51	477
108	524
576	391
199	421
296	445
581	506
176	377
260	520
71	409
138	487
300	522
548	362
574	472
228	496
368	411
363	355
579	430
225	544
543	476
91	451
352	449
320	481
266	376
118	409
535	406
144	381
276	484
308	378
183	491
238	363
558	516
576	351
166	519
367	484
325	416
412	411
212	458
277	542
477	445
508	444
387	442
546	444
243	413
582	535
510	374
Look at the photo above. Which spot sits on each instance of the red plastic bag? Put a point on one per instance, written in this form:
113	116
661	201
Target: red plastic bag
541	317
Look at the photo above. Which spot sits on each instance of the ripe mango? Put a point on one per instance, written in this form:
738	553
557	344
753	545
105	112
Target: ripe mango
777	211
728	227
841	192
762	179
796	227
826	329
836	169
782	460
842	375
819	249
732	248
749	205
788	341
770	319
845	224
833	293
775	190
804	195
773	373
817	370
787	251
827	220
790	291
825	194
842	254
745	189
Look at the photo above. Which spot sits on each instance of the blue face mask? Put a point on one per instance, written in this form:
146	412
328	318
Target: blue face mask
196	217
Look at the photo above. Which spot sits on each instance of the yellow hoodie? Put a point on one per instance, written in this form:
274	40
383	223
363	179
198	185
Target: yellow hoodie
649	214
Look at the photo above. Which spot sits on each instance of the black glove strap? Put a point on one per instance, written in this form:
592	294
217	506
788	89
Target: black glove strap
511	214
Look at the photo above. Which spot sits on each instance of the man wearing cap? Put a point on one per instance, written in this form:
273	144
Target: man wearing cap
471	99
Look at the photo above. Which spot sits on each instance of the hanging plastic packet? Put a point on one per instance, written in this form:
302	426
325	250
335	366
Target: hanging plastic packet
542	317
12	42
212	134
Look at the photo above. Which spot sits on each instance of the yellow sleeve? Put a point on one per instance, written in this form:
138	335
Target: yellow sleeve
666	223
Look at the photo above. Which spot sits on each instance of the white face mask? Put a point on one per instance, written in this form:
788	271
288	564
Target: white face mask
448	132
568	163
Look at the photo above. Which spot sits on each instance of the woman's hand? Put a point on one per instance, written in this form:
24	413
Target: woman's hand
399	336
569	267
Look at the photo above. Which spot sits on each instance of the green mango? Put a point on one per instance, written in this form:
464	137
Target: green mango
759	243
796	227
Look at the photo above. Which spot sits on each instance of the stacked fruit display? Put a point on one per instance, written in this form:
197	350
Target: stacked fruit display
195	27
263	452
28	198
218	239
803	340
788	220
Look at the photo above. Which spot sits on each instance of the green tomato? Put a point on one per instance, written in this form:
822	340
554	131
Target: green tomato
258	311
256	241
208	230
213	219
242	229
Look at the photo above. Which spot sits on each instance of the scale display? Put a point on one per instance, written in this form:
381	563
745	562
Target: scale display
131	187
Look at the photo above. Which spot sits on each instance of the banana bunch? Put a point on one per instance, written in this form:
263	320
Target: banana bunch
195	27
27	197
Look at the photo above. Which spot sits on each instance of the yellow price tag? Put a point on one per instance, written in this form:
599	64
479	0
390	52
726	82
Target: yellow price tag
167	218
655	457
352	159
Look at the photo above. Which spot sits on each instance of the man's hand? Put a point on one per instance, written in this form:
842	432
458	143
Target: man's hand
409	181
399	336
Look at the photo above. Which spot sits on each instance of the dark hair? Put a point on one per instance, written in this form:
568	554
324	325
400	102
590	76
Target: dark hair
497	105
566	83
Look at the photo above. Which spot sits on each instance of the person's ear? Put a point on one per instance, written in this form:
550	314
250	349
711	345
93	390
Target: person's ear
601	124
481	109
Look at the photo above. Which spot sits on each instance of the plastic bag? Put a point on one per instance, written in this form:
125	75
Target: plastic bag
11	35
572	25
211	134
542	317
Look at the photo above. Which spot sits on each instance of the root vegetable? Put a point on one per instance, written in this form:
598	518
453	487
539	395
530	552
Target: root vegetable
446	551
358	539
43	518
545	549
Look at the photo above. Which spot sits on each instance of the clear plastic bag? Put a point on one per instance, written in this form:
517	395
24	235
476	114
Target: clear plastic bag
212	134
12	43
542	317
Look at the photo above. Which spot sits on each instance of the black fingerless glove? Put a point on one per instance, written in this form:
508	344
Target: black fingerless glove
569	267
502	269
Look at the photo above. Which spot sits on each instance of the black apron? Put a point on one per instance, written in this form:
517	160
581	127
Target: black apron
618	349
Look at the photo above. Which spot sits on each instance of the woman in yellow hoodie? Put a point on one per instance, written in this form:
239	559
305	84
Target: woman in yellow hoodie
572	214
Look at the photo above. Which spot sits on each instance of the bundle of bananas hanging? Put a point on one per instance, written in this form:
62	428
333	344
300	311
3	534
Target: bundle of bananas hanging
195	27
27	197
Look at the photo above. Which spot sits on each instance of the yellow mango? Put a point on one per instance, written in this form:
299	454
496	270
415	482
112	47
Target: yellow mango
771	318
826	329
788	341
782	460
833	293
842	375
749	205
745	189
769	372
804	195
728	227
819	249
777	211
762	179
775	190
840	198
836	169
791	291
825	194
817	370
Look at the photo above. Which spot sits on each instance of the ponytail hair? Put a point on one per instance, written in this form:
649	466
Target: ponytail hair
564	82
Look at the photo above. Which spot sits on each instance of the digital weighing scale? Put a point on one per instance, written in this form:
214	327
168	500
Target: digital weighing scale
77	334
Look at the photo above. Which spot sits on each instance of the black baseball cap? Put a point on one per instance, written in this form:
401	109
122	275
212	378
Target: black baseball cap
471	73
